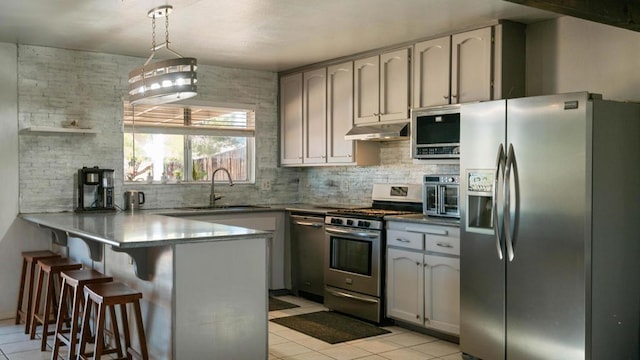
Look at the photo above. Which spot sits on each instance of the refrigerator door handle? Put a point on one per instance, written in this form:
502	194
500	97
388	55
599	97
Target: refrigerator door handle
494	198
511	227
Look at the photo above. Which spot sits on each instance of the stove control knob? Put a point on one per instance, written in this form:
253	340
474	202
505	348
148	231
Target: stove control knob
364	223
350	222
336	221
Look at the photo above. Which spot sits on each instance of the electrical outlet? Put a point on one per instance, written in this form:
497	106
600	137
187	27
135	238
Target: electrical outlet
345	185
265	185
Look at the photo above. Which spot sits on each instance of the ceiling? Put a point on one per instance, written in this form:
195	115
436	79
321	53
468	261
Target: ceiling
270	35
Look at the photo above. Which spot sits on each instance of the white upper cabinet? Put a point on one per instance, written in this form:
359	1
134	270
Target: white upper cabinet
314	116
431	72
367	90
394	85
477	65
339	112
471	66
291	119
316	110
381	91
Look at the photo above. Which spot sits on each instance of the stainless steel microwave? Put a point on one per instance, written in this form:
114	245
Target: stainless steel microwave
435	132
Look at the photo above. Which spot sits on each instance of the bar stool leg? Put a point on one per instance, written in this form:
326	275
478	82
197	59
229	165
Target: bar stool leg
141	335
97	351
48	303
23	278
85	329
116	332
36	305
62	309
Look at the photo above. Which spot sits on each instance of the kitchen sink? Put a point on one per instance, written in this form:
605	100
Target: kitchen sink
224	207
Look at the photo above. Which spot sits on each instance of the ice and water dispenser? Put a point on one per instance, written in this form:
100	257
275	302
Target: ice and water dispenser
480	197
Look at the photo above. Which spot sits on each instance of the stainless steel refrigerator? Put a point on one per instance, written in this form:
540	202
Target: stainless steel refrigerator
550	229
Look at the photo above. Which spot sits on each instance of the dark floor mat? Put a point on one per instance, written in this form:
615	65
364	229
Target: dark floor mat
277	304
330	327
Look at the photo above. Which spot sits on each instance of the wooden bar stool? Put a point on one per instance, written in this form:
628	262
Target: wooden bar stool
29	262
52	268
108	295
73	283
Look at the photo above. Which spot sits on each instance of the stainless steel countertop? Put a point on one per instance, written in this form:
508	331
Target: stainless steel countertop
139	229
421	219
158	227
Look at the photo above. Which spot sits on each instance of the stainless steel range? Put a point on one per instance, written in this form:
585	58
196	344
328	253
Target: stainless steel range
355	251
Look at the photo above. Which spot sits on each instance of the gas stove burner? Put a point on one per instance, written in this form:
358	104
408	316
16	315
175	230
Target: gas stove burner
370	212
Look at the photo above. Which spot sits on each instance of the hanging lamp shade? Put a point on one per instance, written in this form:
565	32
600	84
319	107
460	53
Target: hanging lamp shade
163	81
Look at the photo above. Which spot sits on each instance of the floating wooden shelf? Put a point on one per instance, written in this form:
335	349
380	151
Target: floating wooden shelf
52	130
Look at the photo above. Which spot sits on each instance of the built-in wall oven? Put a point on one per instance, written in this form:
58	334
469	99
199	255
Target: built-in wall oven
354	253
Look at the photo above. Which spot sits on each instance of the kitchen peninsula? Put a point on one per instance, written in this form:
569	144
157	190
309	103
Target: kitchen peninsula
204	285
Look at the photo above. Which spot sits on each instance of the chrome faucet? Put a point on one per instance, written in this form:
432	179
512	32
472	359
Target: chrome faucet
213	197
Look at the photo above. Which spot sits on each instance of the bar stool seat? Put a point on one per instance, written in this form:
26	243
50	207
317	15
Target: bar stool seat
52	268
110	295
73	283
29	262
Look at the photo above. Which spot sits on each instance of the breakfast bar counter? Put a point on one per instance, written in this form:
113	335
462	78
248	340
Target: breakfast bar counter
204	285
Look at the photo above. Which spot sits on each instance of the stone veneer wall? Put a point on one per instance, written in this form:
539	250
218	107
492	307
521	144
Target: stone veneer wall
353	185
56	86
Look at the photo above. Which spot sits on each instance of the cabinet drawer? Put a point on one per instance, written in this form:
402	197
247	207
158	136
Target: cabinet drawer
405	239
446	240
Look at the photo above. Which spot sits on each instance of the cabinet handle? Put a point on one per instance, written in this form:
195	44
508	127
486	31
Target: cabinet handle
454	95
443	244
446	97
403	240
418	317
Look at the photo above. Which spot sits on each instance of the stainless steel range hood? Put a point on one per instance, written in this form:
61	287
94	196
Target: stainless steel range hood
379	132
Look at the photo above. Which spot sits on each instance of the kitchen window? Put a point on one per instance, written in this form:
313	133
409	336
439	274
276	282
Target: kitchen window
176	143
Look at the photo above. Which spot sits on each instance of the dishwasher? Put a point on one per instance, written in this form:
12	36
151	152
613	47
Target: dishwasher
307	250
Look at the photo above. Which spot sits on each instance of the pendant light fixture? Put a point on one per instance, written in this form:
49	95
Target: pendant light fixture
163	81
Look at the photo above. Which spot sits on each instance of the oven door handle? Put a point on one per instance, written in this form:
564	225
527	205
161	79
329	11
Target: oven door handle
309	223
343	294
352	233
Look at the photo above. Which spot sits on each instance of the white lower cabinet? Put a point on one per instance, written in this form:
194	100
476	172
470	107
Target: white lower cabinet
442	293
423	287
405	285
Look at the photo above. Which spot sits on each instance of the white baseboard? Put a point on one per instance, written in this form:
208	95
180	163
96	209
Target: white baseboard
8	315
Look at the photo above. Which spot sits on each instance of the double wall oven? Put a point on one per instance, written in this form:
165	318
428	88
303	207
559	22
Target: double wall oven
355	251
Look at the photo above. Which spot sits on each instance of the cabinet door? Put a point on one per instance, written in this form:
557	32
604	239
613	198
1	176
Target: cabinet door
314	116
405	285
339	112
432	72
291	119
394	85
366	90
442	293
471	66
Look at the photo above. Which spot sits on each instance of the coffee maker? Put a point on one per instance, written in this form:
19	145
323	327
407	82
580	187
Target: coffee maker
95	189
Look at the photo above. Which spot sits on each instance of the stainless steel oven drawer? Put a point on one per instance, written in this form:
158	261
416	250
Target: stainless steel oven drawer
359	305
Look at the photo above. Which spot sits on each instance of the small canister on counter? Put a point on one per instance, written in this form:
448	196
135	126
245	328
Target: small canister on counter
133	199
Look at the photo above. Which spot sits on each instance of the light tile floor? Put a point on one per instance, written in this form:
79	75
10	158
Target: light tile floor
284	343
400	344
